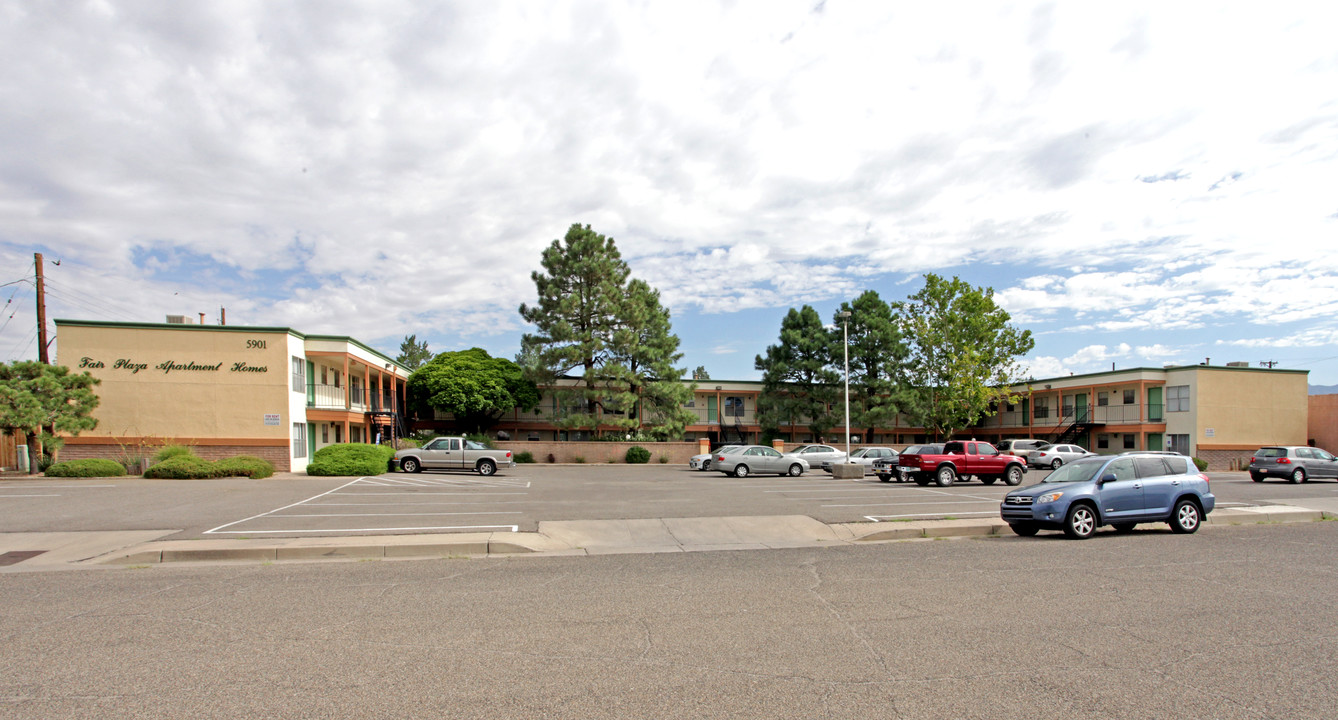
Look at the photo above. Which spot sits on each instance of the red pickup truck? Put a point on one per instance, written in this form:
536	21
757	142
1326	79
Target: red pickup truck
960	460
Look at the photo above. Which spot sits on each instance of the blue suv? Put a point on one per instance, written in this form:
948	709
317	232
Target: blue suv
1120	491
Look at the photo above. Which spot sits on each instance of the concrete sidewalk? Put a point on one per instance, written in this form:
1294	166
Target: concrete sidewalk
602	537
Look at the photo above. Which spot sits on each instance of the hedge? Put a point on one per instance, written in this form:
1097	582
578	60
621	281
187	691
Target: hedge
91	467
182	467
351	459
170	451
637	455
244	466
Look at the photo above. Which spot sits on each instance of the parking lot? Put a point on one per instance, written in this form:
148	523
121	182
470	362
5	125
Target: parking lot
517	499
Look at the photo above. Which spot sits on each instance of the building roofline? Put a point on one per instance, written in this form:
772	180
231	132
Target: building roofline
231	328
1168	368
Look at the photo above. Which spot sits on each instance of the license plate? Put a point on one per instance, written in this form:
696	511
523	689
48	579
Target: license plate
902	468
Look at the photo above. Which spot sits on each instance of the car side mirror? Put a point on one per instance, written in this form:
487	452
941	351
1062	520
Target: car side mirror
1108	477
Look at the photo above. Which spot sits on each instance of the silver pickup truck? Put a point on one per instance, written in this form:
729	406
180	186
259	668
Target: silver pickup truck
454	453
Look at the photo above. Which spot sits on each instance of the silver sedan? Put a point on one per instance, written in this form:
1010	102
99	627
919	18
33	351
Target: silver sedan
1052	456
816	455
703	461
750	459
864	456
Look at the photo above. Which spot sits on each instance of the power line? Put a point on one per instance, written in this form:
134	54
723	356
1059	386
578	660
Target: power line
87	305
99	304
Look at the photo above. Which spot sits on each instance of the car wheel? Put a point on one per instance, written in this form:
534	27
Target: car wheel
740	470
1256	477
988	479
487	467
1024	529
1013	476
885	478
1124	527
1080	522
706	465
903	477
946	476
796	470
1186	517
1298	475
1054	464
410	465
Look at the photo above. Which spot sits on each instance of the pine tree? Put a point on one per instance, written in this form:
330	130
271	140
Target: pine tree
799	385
877	352
613	334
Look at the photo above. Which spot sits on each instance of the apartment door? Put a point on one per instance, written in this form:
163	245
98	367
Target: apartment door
1155	405
1080	409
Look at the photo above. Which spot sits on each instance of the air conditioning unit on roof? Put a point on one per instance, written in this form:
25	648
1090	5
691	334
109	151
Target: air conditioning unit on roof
180	320
1238	363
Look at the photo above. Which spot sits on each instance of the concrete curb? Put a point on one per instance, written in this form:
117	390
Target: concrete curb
587	538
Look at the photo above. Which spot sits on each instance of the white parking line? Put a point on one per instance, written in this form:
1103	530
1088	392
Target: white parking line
330	515
505	528
876	518
20	496
962	502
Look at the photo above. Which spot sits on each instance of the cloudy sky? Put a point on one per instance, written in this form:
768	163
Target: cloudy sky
1141	183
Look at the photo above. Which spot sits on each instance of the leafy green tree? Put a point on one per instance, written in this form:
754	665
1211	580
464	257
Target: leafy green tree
877	352
413	353
700	373
612	335
799	385
42	400
963	354
474	386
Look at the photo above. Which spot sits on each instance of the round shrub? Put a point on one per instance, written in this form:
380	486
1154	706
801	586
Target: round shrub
351	459
244	466
524	456
637	455
170	451
92	467
1200	464
182	467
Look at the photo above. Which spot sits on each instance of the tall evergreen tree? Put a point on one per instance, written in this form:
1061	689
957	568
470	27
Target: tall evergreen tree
614	335
799	385
645	350
41	400
963	353
877	352
413	353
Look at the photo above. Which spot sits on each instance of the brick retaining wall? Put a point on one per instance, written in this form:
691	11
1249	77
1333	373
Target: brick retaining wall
278	456
598	453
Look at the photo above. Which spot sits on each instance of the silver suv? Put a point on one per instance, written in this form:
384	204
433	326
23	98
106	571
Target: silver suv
1293	462
1020	446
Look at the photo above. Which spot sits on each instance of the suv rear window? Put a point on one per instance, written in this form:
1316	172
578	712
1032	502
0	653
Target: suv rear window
1274	452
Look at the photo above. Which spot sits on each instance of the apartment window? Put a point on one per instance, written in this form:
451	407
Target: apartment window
339	434
1128	397
324	378
1102	442
691	403
325	434
1179	444
533	436
1128	442
1102	399
299	439
1177	398
1042	407
299	374
733	407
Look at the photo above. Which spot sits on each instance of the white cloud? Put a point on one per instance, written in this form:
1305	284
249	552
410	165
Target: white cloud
404	164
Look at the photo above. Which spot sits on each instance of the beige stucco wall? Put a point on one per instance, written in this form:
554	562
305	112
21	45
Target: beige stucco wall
142	398
1249	408
1323	421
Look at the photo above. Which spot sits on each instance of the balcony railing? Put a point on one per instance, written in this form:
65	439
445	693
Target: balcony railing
331	397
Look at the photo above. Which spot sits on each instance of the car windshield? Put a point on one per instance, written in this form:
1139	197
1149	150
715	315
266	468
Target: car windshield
1273	452
1076	471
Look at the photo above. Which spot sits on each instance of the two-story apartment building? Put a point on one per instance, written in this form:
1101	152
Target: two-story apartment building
1219	413
228	390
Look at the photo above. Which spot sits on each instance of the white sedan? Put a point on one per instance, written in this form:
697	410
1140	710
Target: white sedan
752	459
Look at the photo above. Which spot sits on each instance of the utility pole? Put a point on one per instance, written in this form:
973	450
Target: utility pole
41	311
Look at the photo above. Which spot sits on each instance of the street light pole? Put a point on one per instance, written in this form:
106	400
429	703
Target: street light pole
845	352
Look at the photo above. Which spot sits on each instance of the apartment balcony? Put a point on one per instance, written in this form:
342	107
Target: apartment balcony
332	397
